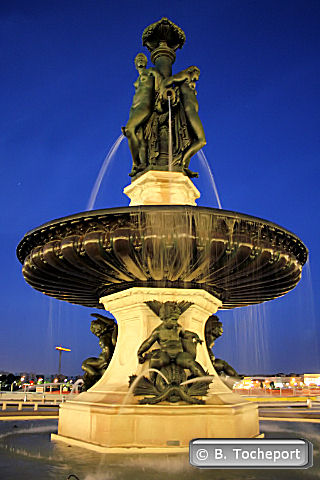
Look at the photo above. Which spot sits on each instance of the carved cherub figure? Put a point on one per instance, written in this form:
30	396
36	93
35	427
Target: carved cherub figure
214	330
106	330
176	344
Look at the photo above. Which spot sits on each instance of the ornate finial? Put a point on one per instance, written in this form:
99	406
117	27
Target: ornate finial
163	31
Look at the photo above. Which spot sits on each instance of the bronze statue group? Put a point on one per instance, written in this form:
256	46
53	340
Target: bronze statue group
176	353
147	127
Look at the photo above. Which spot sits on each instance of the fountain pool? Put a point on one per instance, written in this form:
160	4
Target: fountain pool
27	452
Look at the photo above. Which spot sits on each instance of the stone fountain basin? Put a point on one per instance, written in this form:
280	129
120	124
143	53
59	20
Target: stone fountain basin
240	259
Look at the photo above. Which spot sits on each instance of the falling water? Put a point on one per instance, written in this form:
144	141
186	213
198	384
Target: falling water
55	329
75	388
256	344
205	162
170	136
251	338
159	373
310	299
305	314
206	379
245	343
102	172
136	381
50	331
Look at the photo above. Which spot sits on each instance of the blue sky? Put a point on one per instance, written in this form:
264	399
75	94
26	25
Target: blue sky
66	85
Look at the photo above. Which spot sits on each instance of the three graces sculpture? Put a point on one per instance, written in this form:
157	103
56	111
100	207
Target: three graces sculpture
158	95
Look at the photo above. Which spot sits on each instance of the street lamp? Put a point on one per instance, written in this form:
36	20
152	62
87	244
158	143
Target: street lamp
61	349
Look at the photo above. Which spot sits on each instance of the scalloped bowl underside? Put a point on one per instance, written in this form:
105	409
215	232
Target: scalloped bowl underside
239	259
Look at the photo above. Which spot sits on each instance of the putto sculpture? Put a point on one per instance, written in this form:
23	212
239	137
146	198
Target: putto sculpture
213	330
106	330
167	365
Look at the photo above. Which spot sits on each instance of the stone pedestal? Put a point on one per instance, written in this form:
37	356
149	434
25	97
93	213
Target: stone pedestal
111	417
162	188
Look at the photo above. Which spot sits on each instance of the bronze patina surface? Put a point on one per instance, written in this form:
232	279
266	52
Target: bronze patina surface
240	259
213	330
168	364
147	129
106	330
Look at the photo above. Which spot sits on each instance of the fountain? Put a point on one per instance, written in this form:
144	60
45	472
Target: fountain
162	266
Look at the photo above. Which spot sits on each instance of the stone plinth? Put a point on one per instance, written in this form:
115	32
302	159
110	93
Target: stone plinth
162	188
153	428
111	416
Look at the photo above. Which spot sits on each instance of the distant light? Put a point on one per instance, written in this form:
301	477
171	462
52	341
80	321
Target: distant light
312	379
55	380
63	349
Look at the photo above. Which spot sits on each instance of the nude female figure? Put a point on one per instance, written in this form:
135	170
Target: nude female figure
146	85
187	79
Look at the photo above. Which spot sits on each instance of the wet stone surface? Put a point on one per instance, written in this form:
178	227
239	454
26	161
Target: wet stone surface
26	452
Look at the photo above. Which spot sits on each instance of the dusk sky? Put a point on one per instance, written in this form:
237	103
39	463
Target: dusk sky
67	75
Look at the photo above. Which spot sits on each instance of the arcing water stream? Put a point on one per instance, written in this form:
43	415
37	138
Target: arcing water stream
113	150
205	163
170	136
102	171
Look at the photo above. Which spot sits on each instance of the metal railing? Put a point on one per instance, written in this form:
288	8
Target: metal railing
281	392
